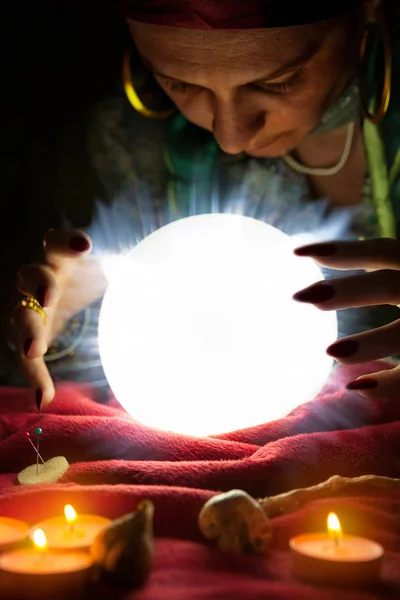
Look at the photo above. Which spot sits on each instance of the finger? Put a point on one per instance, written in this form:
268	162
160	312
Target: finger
366	289
29	328
39	282
384	384
60	245
380	253
38	377
367	346
29	333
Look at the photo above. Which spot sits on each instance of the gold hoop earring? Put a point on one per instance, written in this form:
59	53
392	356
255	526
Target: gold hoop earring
134	98
380	113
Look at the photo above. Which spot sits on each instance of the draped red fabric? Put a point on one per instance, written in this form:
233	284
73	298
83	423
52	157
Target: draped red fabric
232	14
115	462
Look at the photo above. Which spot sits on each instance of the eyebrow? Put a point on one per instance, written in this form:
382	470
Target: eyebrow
294	64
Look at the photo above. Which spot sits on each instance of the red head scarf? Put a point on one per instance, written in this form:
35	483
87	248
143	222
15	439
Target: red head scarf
233	14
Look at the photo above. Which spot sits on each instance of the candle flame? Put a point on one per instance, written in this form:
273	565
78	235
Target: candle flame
70	514
39	539
334	527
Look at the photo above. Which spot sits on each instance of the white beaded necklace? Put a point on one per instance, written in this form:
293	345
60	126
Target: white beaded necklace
296	166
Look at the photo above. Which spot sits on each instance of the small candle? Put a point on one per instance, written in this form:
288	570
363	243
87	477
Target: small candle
39	573
336	558
12	532
72	531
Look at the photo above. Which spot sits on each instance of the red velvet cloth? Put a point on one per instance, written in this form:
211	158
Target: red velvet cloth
115	462
232	14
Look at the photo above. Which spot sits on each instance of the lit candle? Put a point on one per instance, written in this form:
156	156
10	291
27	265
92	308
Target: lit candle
70	517
39	573
12	532
334	529
336	558
72	531
40	541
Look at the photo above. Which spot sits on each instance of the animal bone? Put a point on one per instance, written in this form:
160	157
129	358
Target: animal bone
239	523
124	551
290	501
236	522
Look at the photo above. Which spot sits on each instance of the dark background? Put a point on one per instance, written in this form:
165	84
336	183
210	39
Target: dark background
61	57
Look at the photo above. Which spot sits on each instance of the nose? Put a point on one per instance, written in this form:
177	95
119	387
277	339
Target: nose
234	126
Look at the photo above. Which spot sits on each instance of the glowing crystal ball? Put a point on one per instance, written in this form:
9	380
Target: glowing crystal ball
198	331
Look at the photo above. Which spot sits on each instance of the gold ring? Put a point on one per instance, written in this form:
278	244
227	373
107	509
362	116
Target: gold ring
28	302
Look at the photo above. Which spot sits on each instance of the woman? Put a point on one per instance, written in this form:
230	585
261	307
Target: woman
262	112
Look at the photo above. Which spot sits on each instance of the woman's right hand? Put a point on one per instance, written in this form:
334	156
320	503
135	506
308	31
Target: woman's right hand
66	282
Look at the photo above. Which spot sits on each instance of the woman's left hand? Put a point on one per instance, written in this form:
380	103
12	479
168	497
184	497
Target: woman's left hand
379	285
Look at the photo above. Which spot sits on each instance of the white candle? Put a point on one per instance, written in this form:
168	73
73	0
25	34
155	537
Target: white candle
39	573
12	532
336	558
72	531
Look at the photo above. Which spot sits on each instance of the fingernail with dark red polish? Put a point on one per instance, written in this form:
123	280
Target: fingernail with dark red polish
343	349
316	294
316	250
27	346
41	293
362	384
79	244
38	396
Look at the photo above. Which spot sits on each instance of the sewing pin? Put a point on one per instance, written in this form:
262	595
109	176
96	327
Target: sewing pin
38	432
28	437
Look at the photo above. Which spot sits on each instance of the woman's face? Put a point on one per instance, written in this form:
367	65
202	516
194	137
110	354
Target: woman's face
259	91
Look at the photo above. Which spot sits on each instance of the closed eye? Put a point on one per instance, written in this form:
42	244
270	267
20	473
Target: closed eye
174	86
274	87
282	87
